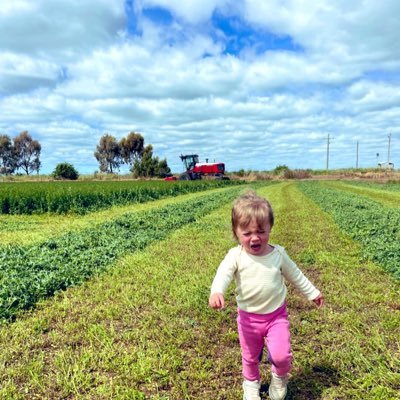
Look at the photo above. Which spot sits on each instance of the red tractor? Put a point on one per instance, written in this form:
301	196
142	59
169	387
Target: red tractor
197	170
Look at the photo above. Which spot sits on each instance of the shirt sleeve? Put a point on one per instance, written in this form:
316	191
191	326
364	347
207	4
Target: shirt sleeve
225	272
295	276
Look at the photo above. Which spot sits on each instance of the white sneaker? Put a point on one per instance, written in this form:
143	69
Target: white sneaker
278	387
251	390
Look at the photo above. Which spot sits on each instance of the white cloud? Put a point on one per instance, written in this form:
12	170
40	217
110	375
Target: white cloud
59	27
70	72
22	73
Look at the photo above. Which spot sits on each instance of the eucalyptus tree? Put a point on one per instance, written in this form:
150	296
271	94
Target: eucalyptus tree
132	147
27	153
108	154
7	155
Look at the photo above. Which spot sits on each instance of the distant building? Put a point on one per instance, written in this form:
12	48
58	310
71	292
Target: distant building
386	165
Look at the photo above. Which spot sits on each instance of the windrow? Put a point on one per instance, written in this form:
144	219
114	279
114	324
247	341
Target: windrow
370	223
29	274
81	197
388	186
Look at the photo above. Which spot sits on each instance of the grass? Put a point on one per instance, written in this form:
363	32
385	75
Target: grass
144	331
351	347
385	197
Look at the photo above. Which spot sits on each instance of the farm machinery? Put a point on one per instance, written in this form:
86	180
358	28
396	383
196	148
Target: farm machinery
198	170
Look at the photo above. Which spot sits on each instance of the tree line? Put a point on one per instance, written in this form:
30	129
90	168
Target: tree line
23	153
130	150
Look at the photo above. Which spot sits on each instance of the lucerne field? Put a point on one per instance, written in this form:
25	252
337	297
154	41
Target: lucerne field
104	289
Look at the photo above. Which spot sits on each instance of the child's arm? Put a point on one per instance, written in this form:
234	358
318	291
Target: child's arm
294	275
222	279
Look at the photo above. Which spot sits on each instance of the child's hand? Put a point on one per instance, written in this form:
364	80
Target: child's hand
319	300
217	301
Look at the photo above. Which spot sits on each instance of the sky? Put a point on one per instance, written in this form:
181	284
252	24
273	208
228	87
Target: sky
251	83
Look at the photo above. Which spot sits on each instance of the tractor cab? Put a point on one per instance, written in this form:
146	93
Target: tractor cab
190	161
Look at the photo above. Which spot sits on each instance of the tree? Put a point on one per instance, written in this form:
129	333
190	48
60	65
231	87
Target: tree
163	169
144	166
132	147
8	162
65	171
27	152
108	154
280	169
149	166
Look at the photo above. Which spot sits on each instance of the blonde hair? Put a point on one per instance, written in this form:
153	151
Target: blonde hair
249	207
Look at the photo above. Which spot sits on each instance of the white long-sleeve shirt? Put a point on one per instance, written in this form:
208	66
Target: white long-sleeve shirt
260	286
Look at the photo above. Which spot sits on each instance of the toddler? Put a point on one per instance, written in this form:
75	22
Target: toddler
259	269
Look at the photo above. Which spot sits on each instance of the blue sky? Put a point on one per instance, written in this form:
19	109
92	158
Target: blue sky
254	84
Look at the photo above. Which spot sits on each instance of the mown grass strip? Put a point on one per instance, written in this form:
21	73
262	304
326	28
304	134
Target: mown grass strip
28	274
391	186
373	192
81	197
144	331
376	227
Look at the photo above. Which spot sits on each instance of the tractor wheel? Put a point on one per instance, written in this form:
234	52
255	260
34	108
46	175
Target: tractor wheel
184	177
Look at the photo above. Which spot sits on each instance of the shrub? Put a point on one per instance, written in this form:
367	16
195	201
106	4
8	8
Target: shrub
296	174
280	169
65	171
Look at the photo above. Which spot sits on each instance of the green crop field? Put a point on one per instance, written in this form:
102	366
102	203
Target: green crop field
104	290
81	197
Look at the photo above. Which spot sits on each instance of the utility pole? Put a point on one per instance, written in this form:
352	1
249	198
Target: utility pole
327	152
389	136
357	156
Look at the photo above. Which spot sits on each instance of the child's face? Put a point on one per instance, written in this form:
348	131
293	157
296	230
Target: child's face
254	238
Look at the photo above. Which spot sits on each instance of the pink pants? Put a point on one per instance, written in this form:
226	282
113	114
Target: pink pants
272	329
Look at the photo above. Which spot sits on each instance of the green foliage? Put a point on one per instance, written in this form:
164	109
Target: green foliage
27	153
162	168
130	150
149	165
375	226
241	173
8	158
132	147
280	169
65	171
108	154
28	274
82	197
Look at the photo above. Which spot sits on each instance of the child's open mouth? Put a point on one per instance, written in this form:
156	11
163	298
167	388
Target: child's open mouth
255	247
